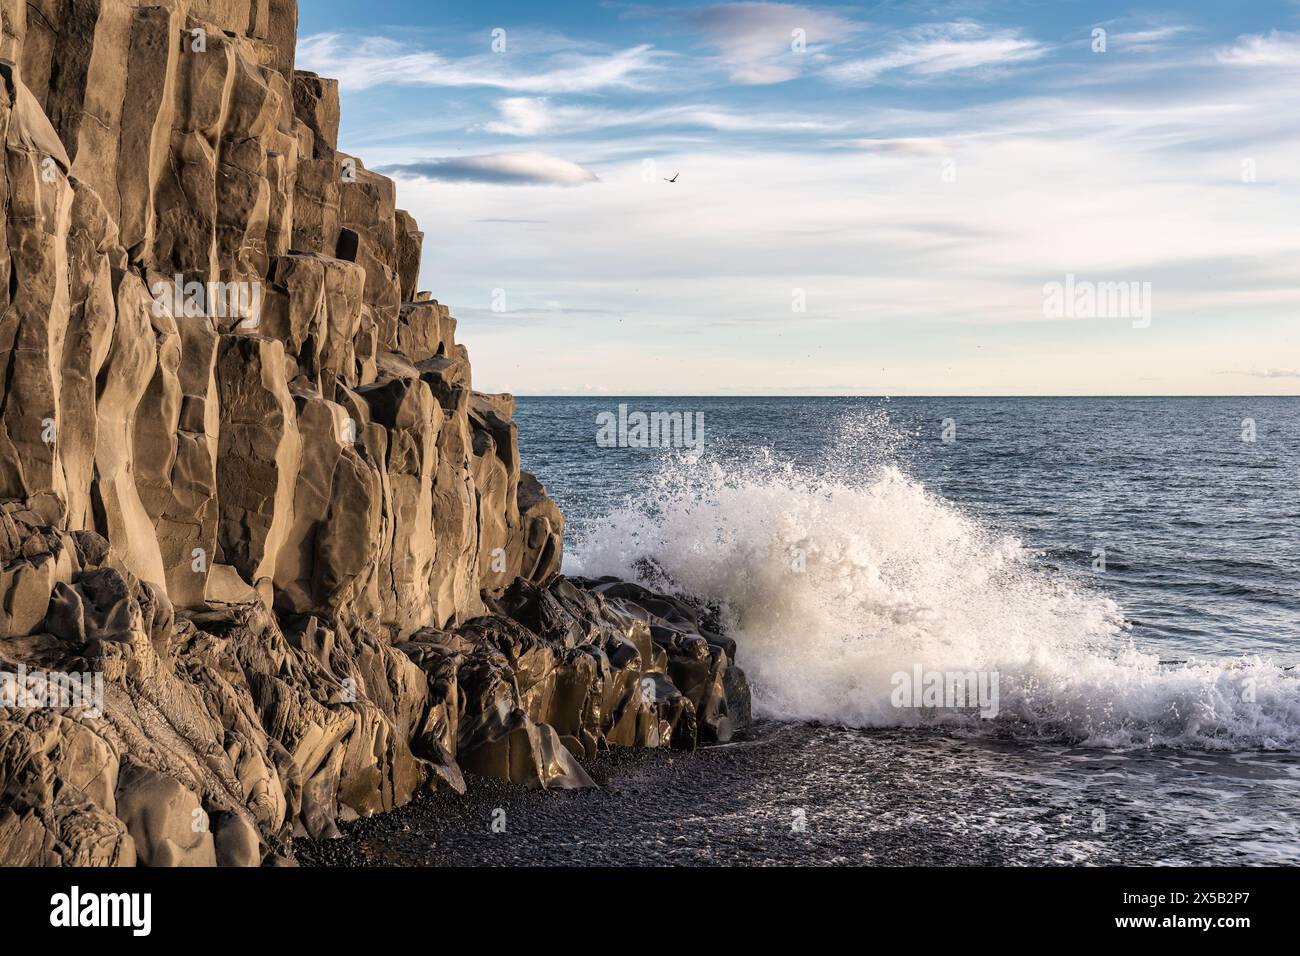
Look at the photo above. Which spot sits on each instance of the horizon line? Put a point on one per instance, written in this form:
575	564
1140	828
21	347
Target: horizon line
606	395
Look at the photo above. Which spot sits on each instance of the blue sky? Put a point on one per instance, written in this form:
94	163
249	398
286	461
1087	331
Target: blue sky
873	198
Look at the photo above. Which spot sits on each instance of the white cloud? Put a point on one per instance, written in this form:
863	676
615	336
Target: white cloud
366	62
1271	49
1148	40
756	40
684	287
938	48
506	169
529	116
523	116
903	146
1271	373
1143	186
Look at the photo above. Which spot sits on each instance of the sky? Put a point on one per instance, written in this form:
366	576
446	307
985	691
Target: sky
881	198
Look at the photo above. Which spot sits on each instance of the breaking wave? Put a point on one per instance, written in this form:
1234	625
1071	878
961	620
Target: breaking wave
835	577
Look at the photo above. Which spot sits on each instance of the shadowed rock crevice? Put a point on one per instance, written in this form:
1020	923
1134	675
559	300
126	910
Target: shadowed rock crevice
250	503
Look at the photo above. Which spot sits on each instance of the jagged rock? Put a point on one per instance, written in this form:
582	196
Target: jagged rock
247	490
258	458
701	663
316	103
410	245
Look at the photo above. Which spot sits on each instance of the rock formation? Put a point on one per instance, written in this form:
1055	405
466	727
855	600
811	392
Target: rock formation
246	486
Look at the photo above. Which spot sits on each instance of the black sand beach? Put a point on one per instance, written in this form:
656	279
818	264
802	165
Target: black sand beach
796	794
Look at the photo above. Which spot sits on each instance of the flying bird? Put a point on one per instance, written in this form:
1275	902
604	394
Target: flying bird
673	180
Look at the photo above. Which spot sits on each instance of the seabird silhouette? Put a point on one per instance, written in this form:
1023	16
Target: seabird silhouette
673	180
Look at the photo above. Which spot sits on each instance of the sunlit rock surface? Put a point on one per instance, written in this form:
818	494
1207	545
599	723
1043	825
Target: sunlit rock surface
294	548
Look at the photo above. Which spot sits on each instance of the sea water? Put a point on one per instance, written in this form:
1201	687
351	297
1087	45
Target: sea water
1127	570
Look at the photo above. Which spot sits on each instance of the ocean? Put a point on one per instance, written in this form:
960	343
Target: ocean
1122	574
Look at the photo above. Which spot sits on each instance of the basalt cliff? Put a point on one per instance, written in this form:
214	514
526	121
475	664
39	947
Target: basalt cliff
267	560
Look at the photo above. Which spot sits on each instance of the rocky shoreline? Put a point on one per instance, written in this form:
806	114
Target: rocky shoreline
247	489
797	794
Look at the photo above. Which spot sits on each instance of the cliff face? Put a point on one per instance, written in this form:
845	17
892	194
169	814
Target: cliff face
246	482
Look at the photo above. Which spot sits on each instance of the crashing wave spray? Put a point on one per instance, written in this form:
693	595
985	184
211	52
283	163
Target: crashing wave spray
834	580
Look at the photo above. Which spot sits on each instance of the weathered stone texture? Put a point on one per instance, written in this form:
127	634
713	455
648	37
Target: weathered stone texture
245	480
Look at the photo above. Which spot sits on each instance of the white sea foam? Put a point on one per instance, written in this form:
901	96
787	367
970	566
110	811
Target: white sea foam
835	577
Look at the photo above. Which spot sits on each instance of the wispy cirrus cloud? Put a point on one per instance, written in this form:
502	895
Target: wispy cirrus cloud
1273	49
902	146
1148	40
935	49
1269	373
756	41
537	116
919	177
1139	34
367	62
503	169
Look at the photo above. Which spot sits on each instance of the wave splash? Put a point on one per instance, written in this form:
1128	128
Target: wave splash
835	578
